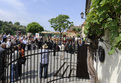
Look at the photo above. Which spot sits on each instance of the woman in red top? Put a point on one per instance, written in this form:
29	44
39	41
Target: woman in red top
21	52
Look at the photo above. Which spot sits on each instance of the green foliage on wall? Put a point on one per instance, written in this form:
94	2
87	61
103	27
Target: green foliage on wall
104	15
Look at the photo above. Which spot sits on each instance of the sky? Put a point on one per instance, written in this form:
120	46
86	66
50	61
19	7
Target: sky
40	11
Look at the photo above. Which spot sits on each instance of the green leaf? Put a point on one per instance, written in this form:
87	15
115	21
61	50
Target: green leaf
119	47
120	34
111	51
118	1
109	19
118	39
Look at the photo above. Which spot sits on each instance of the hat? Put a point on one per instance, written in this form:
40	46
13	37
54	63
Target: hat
45	46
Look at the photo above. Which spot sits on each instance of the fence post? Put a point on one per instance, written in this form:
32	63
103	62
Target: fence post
54	48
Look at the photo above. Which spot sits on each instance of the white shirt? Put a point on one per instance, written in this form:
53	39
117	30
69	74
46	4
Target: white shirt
44	57
8	44
24	41
15	55
8	35
62	47
22	37
34	38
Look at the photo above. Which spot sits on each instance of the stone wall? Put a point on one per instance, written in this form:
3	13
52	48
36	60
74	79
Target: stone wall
110	70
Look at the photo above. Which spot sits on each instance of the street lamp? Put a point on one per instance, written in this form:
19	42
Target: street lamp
82	15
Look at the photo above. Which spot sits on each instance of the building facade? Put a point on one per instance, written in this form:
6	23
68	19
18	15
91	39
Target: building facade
70	32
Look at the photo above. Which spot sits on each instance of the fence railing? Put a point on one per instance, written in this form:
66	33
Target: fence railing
60	66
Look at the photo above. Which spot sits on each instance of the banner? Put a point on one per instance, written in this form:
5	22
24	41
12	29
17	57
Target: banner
37	35
64	38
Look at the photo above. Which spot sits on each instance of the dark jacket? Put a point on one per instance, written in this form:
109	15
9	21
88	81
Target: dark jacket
2	62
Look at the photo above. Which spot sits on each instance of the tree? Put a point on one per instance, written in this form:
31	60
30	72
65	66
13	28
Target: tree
60	23
1	23
16	23
22	29
10	22
6	29
74	29
9	27
77	30
104	15
34	27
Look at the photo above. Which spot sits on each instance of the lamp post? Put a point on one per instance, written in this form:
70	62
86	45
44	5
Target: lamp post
82	15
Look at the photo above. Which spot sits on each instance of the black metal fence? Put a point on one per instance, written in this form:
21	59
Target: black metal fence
61	67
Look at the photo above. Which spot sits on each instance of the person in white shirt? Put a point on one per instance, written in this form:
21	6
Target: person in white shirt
44	61
8	43
8	36
24	43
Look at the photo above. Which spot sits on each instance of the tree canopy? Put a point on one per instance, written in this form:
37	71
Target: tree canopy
77	29
105	14
34	27
16	23
9	27
74	29
60	23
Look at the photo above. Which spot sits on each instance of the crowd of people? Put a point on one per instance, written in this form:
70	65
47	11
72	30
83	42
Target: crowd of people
20	43
32	42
